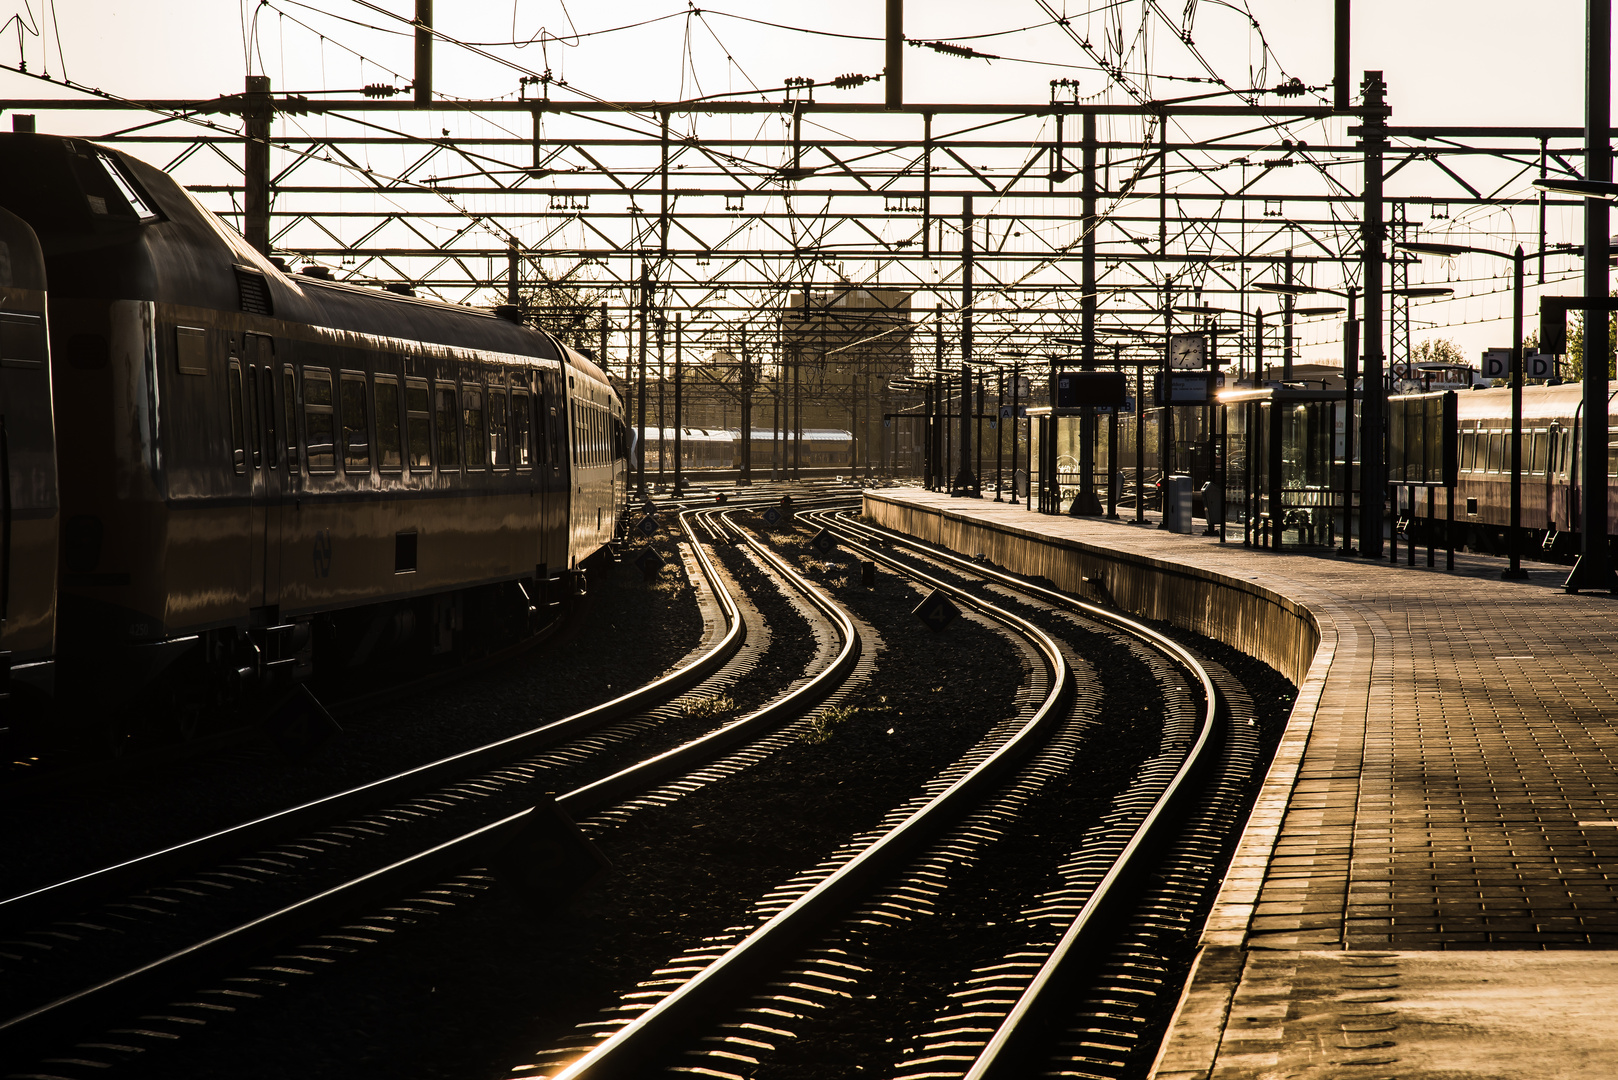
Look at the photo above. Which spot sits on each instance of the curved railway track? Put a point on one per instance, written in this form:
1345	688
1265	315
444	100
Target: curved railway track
325	831
1088	999
1066	975
726	1013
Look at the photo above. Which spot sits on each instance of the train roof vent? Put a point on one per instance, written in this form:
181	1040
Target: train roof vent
254	291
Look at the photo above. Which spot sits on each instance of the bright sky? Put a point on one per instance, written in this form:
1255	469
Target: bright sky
1446	61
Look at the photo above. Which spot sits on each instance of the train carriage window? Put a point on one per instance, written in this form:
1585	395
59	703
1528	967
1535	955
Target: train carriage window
289	413
1497	460
234	387
22	339
521	414
260	357
449	434
499	440
317	421
1612	459
419	424
267	403
477	444
1468	445
1537	455
389	454
190	350
255	424
356	425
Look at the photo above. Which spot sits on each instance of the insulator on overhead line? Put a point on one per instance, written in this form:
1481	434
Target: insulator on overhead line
951	49
380	90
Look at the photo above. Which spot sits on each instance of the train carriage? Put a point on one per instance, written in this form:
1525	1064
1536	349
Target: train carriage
29	518
1552	465
257	467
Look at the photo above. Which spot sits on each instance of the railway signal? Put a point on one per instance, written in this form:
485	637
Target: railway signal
649	563
936	611
824	542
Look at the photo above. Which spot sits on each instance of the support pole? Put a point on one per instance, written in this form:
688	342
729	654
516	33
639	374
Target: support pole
1594	568
977	419
1140	443
424	52
1514	539
965	482
256	114
1165	431
1016	380
1373	471
662	417
1341	90
1260	376
640	393
663	192
893	74
1086	503
747	413
1351	374
513	263
999	434
679	404
1287	306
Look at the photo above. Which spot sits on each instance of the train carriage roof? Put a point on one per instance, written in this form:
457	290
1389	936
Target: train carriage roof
1539	403
112	225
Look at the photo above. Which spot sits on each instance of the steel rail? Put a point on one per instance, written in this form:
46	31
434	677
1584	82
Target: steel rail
84	890
1004	1055
628	1049
594	796
55	1018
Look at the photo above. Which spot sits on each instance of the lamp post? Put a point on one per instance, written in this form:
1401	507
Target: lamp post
1515	570
1594	568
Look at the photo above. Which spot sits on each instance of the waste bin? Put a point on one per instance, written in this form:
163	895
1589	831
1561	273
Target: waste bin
1177	504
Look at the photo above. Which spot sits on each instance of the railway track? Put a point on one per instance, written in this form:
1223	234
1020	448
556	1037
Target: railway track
757	1005
1091	1000
263	896
828	947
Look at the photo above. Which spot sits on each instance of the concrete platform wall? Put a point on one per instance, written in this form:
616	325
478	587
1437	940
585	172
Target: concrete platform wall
1242	614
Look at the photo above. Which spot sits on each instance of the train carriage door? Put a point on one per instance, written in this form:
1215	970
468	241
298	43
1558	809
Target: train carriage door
268	463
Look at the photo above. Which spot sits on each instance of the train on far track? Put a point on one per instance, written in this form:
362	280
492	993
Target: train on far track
717	449
220	479
1552	470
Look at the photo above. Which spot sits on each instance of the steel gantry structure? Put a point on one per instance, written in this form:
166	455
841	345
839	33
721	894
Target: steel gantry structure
1004	226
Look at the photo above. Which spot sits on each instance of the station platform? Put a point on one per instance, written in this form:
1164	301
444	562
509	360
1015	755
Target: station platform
1428	885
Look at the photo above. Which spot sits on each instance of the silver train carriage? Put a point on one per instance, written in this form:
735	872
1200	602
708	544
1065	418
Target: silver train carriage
721	448
1552	465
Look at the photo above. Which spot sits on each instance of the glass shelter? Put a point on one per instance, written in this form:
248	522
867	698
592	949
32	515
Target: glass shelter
1286	482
